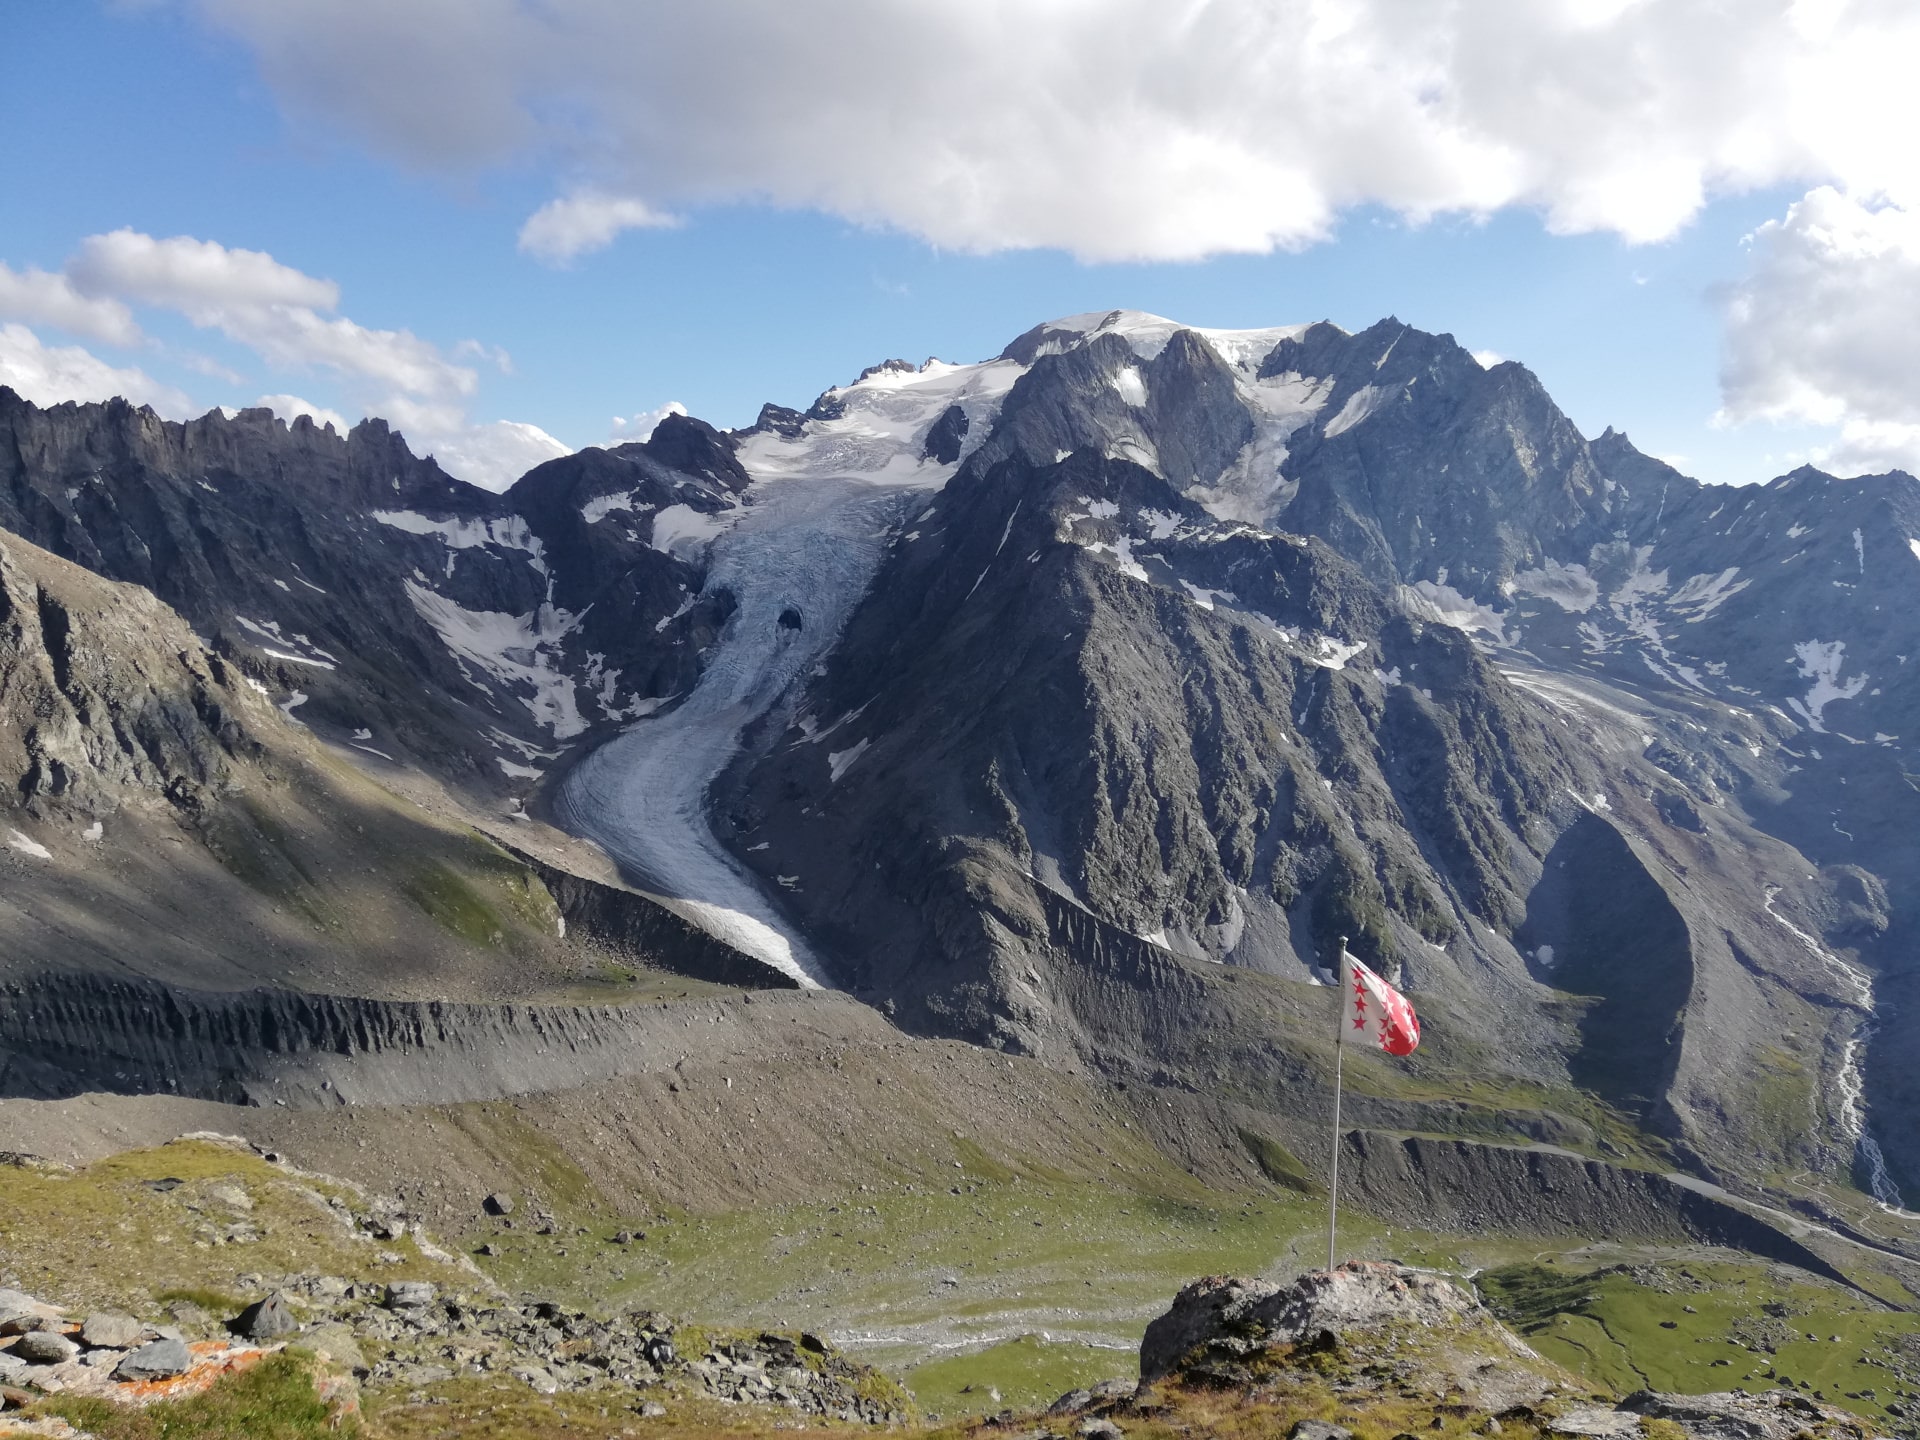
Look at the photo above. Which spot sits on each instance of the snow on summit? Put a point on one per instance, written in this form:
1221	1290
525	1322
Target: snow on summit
878	426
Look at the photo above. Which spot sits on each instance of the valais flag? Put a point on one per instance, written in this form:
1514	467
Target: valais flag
1377	1015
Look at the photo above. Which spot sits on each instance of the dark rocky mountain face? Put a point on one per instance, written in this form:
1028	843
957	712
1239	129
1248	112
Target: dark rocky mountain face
422	619
1086	697
1086	678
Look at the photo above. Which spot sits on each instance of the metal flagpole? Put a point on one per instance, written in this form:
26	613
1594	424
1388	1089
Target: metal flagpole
1339	1054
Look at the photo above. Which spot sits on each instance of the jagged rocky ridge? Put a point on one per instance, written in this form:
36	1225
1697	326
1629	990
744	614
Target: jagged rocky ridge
1198	646
418	617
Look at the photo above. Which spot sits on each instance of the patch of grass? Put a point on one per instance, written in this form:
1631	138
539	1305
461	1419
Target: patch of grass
1027	1372
630	984
254	847
454	904
214	1302
544	1167
499	1408
275	1400
1781	1106
143	1228
1278	1164
1679	1327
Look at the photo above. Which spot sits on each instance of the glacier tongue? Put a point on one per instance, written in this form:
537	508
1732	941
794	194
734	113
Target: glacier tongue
807	545
822	509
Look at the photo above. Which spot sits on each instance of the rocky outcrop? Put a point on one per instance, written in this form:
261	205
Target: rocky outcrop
1345	1339
1737	1415
106	694
1236	1318
413	1334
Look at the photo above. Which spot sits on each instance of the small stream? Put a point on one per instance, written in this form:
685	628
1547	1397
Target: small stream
1858	987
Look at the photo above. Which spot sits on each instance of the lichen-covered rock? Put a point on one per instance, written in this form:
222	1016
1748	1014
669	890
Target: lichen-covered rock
156	1360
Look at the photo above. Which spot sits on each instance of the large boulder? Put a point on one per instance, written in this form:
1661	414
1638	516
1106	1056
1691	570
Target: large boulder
44	1347
1236	1317
108	1330
266	1319
156	1360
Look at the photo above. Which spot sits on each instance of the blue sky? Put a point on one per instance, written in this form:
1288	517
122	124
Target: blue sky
200	120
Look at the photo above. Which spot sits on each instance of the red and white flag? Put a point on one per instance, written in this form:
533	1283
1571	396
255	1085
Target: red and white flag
1377	1015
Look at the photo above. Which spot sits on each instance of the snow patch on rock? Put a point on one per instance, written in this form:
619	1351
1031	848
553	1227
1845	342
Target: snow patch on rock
1436	601
27	845
1571	587
1362	403
518	653
1821	662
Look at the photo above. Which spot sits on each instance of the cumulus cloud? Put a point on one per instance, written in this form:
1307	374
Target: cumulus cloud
41	297
564	229
291	407
289	319
50	374
1824	329
641	426
272	309
1127	129
495	455
201	279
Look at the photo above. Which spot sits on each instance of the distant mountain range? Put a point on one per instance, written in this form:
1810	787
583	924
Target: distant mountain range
1073	703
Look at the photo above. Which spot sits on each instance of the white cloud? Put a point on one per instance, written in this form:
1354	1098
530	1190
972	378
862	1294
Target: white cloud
578	224
290	407
641	426
201	279
43	298
271	308
50	374
1487	359
286	317
1825	330
495	455
1124	129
